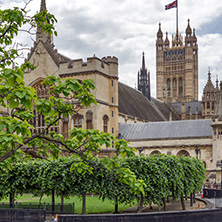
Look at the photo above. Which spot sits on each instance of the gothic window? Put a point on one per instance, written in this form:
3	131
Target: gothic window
168	87
174	87
180	87
112	82
65	129
89	118
212	105
105	123
38	119
208	105
77	120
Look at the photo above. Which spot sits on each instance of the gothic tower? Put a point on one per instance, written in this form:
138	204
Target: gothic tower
144	80
209	98
177	67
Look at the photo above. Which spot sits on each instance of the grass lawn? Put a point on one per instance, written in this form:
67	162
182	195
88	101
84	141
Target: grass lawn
93	203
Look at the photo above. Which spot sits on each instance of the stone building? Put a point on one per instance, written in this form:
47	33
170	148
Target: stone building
128	113
116	102
177	67
201	138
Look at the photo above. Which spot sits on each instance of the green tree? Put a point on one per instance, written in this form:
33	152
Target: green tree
18	134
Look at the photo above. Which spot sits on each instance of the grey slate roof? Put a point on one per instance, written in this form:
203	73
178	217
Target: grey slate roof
194	105
164	130
133	103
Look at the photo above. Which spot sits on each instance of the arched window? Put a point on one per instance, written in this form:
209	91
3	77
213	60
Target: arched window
183	153
208	105
174	87
155	152
38	120
168	87
105	123
89	119
180	87
77	120
212	105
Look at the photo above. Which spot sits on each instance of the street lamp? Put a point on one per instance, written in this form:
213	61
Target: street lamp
197	151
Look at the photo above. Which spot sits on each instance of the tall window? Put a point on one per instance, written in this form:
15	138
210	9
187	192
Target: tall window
174	87
180	87
89	118
208	105
168	87
66	129
77	120
105	123
212	105
38	119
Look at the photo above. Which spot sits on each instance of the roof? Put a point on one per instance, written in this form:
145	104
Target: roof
133	103
166	130
194	106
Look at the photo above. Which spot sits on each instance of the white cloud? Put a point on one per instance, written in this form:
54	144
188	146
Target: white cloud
126	28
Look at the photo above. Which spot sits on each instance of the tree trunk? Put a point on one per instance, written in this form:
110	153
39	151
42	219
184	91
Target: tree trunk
84	203
53	201
62	202
183	204
141	204
164	204
191	199
194	198
12	200
116	206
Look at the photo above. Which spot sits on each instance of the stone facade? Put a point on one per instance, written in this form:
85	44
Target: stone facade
177	67
209	98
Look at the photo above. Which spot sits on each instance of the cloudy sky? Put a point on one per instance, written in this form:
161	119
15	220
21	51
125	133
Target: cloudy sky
126	28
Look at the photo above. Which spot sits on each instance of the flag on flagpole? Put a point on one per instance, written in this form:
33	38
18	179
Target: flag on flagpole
171	5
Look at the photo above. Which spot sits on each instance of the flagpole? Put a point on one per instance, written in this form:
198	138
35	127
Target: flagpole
177	31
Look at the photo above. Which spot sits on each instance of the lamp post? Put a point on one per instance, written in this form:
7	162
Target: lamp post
197	151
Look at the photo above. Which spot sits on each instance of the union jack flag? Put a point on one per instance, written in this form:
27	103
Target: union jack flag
171	5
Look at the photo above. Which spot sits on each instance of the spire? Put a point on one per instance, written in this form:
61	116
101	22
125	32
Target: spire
188	29
40	35
217	88
209	74
143	62
43	6
167	42
144	79
160	33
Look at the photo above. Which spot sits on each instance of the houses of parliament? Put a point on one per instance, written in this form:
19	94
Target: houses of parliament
174	123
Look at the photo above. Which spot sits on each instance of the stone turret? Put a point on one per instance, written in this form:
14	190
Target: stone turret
208	98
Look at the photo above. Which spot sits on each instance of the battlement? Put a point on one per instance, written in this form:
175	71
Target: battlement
106	65
110	59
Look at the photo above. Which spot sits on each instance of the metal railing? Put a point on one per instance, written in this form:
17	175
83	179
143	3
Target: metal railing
49	208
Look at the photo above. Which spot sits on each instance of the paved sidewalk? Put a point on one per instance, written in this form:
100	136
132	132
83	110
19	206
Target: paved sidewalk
175	206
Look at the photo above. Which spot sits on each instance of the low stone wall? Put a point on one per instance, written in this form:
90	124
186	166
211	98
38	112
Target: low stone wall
204	215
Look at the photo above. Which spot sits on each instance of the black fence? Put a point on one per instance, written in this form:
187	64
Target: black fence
49	208
212	193
15	215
